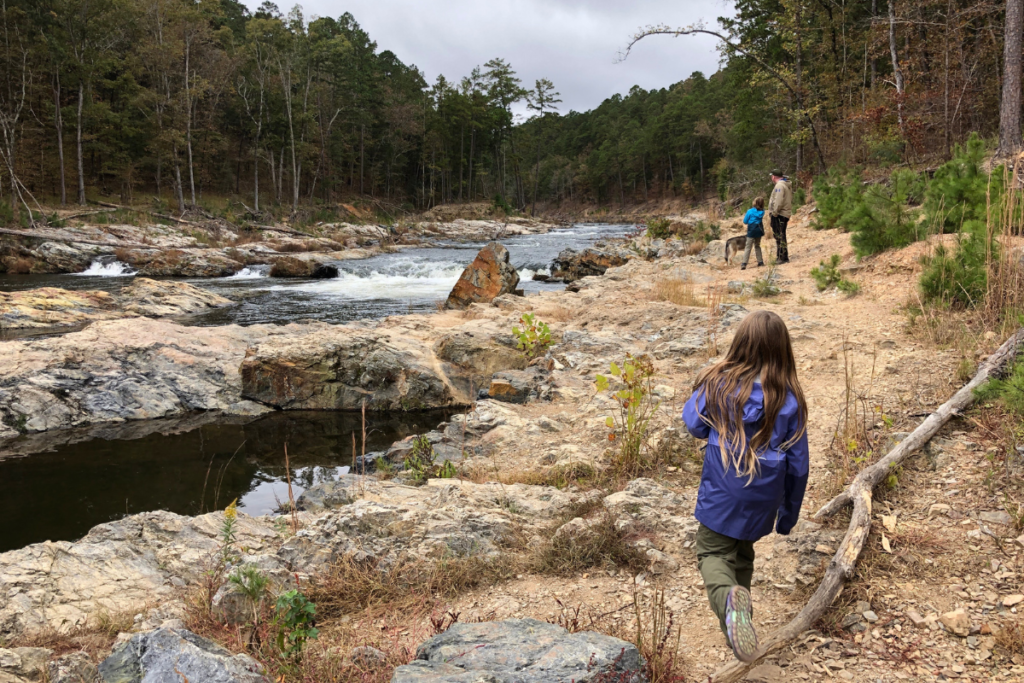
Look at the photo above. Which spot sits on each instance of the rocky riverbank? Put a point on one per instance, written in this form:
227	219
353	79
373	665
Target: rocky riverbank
535	475
217	249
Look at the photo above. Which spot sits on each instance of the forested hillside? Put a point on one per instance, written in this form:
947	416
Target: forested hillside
184	100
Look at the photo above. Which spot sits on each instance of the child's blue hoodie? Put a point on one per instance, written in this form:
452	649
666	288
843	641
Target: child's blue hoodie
754	220
726	503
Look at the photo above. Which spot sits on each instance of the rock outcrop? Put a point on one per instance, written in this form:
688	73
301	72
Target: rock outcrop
521	651
119	566
388	521
489	275
571	265
328	370
177	655
120	370
50	307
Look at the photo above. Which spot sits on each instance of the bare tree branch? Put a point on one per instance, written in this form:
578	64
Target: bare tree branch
698	28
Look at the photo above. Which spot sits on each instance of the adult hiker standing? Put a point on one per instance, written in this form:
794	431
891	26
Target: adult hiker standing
780	208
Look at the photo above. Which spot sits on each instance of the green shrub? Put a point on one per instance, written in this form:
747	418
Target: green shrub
834	193
827	275
959	189
1009	392
882	218
636	406
421	466
658	228
958	276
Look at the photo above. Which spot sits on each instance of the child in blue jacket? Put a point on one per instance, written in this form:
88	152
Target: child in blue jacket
752	411
754	220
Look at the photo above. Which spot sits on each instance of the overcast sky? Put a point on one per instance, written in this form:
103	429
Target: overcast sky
574	43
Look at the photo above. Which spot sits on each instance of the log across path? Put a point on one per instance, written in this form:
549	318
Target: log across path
859	493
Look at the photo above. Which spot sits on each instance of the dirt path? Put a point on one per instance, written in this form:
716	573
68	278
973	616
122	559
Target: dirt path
855	346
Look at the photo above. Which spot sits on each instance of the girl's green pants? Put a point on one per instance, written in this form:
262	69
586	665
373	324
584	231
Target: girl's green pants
723	563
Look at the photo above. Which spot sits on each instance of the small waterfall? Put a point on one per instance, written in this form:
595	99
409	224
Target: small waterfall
251	273
107	268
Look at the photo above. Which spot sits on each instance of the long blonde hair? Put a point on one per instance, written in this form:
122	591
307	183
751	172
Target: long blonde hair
760	348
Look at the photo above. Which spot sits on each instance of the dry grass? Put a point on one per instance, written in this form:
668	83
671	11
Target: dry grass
598	543
679	291
694	248
20	266
1010	638
124	255
555	312
96	637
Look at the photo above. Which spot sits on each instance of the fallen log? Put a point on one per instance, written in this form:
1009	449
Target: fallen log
147	211
843	564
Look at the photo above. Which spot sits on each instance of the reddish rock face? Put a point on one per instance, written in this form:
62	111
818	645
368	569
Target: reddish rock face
489	275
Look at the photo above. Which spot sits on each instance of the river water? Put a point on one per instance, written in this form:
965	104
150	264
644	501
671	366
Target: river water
57	486
411	280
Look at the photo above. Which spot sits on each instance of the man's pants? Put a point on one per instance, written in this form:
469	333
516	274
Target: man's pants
779	224
723	563
753	243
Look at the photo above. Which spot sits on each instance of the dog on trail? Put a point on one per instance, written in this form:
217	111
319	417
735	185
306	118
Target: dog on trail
733	246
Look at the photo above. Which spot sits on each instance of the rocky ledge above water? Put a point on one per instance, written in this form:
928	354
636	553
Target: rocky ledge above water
217	249
50	307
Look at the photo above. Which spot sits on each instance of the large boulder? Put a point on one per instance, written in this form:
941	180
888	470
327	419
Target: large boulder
571	265
166	655
471	358
329	370
308	265
489	275
521	651
181	262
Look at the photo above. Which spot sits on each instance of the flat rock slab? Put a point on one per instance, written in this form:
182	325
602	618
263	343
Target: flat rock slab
168	655
519	651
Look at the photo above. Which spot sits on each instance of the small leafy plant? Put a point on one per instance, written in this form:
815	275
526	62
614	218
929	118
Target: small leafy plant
253	583
421	466
827	275
534	336
765	286
295	620
636	403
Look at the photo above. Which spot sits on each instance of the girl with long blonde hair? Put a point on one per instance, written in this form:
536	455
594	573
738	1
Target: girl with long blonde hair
751	409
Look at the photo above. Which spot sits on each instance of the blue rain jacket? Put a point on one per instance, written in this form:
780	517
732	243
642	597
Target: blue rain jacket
754	220
726	503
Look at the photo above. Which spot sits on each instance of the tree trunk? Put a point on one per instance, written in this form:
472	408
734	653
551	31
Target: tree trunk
58	120
78	144
799	86
844	562
188	130
1009	107
896	72
178	190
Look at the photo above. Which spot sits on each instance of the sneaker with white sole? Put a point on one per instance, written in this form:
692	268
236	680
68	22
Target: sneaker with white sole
739	621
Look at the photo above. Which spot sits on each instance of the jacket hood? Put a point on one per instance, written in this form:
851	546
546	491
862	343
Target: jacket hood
753	409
